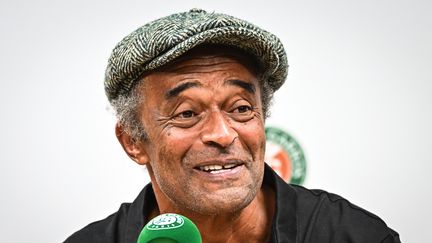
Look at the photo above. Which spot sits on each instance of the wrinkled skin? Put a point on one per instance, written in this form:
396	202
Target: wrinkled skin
204	109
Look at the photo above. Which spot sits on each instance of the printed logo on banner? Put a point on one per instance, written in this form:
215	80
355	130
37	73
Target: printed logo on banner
285	156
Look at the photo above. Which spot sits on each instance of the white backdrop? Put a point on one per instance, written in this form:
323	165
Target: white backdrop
358	99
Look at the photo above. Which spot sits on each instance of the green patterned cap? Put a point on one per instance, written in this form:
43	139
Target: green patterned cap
163	40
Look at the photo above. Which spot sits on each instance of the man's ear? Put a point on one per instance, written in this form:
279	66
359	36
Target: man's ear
134	149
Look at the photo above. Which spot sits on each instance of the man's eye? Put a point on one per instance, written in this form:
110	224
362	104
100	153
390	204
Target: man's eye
186	114
185	119
243	109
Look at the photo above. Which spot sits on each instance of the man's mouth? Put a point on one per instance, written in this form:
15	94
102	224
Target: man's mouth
215	169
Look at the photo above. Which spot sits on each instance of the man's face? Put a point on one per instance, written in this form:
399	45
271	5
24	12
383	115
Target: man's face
203	116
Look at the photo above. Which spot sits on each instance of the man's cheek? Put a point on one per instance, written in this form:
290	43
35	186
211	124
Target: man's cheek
253	133
166	156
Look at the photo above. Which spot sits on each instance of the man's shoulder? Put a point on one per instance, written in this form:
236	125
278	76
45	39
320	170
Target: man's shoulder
107	230
324	214
122	226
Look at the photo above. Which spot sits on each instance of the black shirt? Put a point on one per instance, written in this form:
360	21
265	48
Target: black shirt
301	215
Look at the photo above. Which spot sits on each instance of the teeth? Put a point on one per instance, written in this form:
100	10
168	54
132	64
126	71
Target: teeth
216	168
229	166
216	171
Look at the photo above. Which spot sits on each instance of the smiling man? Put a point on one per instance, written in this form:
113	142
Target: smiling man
191	92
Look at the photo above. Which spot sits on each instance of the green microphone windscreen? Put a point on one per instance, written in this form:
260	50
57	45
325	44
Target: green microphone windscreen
170	228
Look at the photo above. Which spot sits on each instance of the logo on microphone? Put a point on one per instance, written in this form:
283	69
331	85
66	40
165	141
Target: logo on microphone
165	221
285	156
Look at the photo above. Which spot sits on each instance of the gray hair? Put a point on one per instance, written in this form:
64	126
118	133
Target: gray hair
126	108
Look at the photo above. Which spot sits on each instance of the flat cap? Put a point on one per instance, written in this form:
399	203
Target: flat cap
157	43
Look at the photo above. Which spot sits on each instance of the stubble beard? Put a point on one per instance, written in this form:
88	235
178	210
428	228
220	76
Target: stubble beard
186	194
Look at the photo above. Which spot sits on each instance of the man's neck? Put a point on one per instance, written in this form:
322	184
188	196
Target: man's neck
252	223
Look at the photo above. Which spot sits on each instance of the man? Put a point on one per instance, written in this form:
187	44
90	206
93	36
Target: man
191	92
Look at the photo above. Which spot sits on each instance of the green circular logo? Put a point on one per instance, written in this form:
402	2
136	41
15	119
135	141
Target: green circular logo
165	221
285	156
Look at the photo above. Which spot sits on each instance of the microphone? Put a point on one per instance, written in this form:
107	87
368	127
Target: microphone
170	228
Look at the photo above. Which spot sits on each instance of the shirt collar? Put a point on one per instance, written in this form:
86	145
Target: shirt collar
138	213
284	226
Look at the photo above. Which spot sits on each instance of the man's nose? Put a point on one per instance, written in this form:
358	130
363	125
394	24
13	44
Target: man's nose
218	131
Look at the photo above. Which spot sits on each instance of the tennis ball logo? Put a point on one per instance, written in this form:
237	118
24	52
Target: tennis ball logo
285	156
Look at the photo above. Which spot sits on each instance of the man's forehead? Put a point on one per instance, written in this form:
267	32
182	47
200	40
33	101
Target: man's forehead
180	87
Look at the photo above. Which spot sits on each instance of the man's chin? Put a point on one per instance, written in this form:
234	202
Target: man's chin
217	203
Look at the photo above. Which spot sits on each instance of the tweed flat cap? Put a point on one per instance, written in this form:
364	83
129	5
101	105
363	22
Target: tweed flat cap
161	41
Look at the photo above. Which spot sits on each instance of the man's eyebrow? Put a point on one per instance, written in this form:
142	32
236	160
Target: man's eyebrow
180	88
242	84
